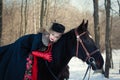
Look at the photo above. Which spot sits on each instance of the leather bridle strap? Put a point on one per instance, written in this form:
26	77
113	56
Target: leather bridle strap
79	40
89	58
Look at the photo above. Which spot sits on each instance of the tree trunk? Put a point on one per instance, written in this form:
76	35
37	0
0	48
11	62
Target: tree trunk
118	6
21	24
43	10
107	38
25	13
111	58
96	23
0	20
47	12
24	17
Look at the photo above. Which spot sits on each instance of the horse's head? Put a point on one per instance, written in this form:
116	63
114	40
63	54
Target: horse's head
85	47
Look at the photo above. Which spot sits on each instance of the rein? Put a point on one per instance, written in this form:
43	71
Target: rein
89	58
55	77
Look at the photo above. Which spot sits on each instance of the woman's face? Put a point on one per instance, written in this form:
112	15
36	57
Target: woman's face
54	36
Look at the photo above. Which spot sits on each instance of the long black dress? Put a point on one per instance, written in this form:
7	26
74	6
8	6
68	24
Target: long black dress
13	56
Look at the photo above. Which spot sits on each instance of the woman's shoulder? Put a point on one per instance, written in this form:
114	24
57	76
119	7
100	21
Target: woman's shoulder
31	35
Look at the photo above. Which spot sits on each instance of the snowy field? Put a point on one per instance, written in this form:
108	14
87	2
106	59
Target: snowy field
78	69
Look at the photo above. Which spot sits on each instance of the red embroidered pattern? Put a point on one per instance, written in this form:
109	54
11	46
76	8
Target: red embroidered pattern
28	72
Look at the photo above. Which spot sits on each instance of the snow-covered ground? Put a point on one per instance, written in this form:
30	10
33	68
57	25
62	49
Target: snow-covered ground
78	69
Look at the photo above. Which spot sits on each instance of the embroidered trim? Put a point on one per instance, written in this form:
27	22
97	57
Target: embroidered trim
28	72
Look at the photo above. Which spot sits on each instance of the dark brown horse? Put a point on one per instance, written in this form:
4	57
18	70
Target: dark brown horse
77	42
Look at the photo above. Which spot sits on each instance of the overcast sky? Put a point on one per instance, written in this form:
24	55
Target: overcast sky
88	4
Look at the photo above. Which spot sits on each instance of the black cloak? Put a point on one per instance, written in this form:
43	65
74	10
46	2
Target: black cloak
13	56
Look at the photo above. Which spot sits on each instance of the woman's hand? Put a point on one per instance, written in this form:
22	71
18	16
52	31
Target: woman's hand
45	56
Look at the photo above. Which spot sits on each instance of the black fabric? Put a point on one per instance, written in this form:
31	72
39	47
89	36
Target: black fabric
13	56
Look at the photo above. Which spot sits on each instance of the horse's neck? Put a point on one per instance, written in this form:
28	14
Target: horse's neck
62	51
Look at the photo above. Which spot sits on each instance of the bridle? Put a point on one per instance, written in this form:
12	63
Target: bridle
90	59
79	41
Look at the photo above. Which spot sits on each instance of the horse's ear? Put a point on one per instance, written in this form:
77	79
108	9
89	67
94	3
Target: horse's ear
80	26
82	23
86	25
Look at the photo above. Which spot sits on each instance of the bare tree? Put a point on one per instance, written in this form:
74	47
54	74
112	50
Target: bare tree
118	6
0	20
111	58
21	26
43	12
24	17
25	13
96	23
107	37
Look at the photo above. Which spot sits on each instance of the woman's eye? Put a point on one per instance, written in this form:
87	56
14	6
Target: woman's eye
52	34
57	37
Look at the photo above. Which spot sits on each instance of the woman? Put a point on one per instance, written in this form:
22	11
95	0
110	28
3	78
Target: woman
18	61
